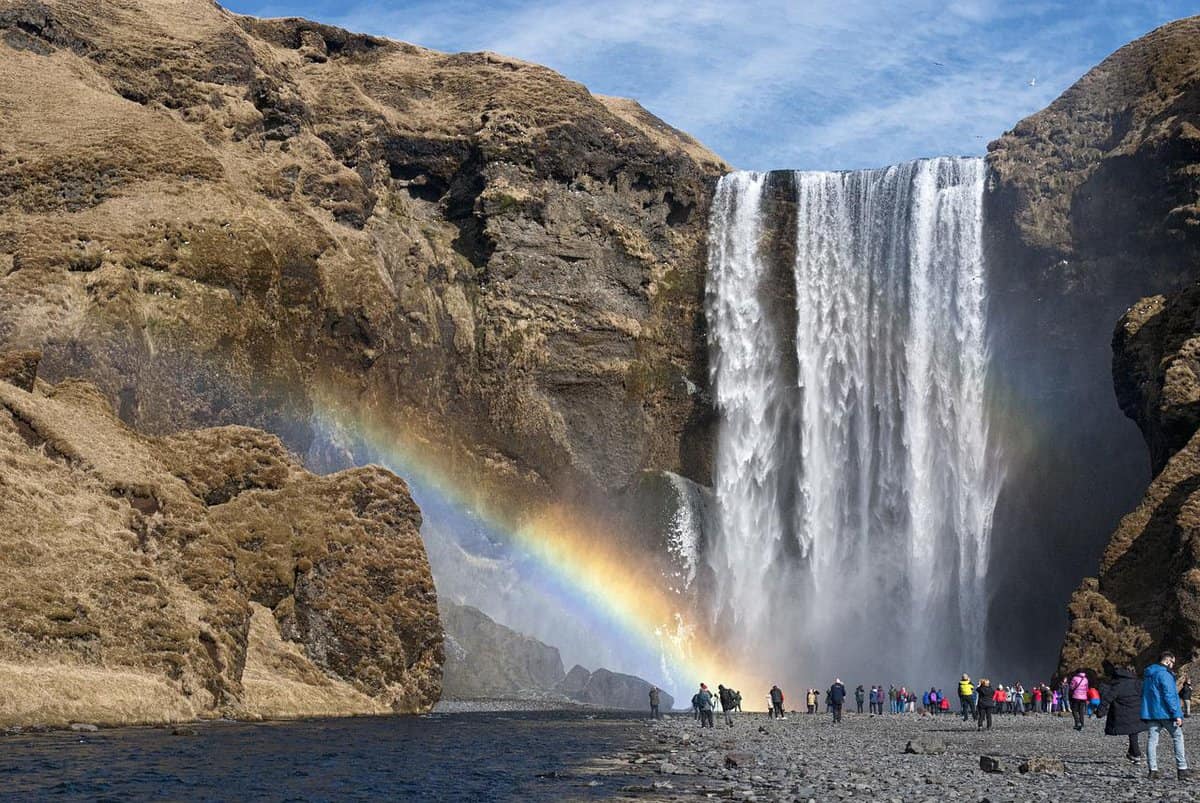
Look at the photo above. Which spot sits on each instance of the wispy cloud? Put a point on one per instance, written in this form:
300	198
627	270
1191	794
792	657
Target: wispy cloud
781	83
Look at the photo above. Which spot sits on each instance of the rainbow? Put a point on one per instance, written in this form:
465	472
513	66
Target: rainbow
588	573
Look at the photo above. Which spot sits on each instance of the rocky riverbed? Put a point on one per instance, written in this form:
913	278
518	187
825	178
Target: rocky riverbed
807	758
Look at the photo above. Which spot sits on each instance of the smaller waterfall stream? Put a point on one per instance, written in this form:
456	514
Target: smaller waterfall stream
854	482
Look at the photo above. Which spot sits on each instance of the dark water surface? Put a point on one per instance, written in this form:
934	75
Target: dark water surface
492	756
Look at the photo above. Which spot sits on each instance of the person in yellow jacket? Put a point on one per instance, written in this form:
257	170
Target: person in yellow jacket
966	696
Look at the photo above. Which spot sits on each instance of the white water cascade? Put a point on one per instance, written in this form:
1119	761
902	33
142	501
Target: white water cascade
855	483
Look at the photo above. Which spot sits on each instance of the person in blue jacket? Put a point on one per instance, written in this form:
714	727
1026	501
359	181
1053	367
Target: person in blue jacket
1161	711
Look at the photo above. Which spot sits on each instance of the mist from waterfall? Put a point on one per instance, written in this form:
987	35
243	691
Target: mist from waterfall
854	479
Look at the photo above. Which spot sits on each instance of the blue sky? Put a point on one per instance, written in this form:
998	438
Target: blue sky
806	84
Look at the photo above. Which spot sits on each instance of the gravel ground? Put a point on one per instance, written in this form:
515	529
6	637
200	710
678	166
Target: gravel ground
807	758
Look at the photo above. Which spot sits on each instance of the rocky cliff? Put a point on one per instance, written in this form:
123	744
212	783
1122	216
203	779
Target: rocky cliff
226	220
199	574
485	659
1147	594
1092	204
611	690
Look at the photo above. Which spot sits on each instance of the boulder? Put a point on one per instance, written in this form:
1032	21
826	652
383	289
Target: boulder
990	764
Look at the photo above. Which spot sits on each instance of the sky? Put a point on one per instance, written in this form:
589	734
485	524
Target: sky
806	84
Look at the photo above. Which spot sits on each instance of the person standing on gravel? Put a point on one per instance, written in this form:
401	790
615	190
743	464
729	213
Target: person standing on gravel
1121	705
966	697
836	697
726	697
985	705
1185	696
704	699
654	701
859	695
777	701
1161	711
1078	686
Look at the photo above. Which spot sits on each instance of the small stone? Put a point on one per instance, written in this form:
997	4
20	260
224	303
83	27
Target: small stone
84	727
924	745
989	764
737	760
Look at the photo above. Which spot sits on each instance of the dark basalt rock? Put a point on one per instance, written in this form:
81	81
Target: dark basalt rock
990	764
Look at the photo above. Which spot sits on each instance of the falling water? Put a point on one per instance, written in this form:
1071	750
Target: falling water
854	481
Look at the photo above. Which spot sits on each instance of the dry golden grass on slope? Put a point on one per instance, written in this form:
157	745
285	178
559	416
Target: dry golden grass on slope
145	580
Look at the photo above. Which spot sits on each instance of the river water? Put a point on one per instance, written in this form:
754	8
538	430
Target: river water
486	756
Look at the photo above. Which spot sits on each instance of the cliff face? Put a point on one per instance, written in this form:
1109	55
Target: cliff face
1147	595
487	659
1092	204
199	574
220	219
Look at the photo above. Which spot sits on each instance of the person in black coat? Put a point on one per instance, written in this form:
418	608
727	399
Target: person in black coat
985	704
1121	704
835	697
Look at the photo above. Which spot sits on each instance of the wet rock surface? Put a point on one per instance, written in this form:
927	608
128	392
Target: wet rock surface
807	758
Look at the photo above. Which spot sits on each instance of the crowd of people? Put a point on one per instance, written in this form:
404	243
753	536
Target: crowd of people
1156	703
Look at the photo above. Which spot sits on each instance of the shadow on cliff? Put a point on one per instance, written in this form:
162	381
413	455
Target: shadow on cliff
1146	578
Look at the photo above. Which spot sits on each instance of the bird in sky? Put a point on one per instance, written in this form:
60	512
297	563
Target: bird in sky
1033	82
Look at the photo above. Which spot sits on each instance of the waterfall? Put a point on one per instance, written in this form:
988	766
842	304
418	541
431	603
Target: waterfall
853	476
